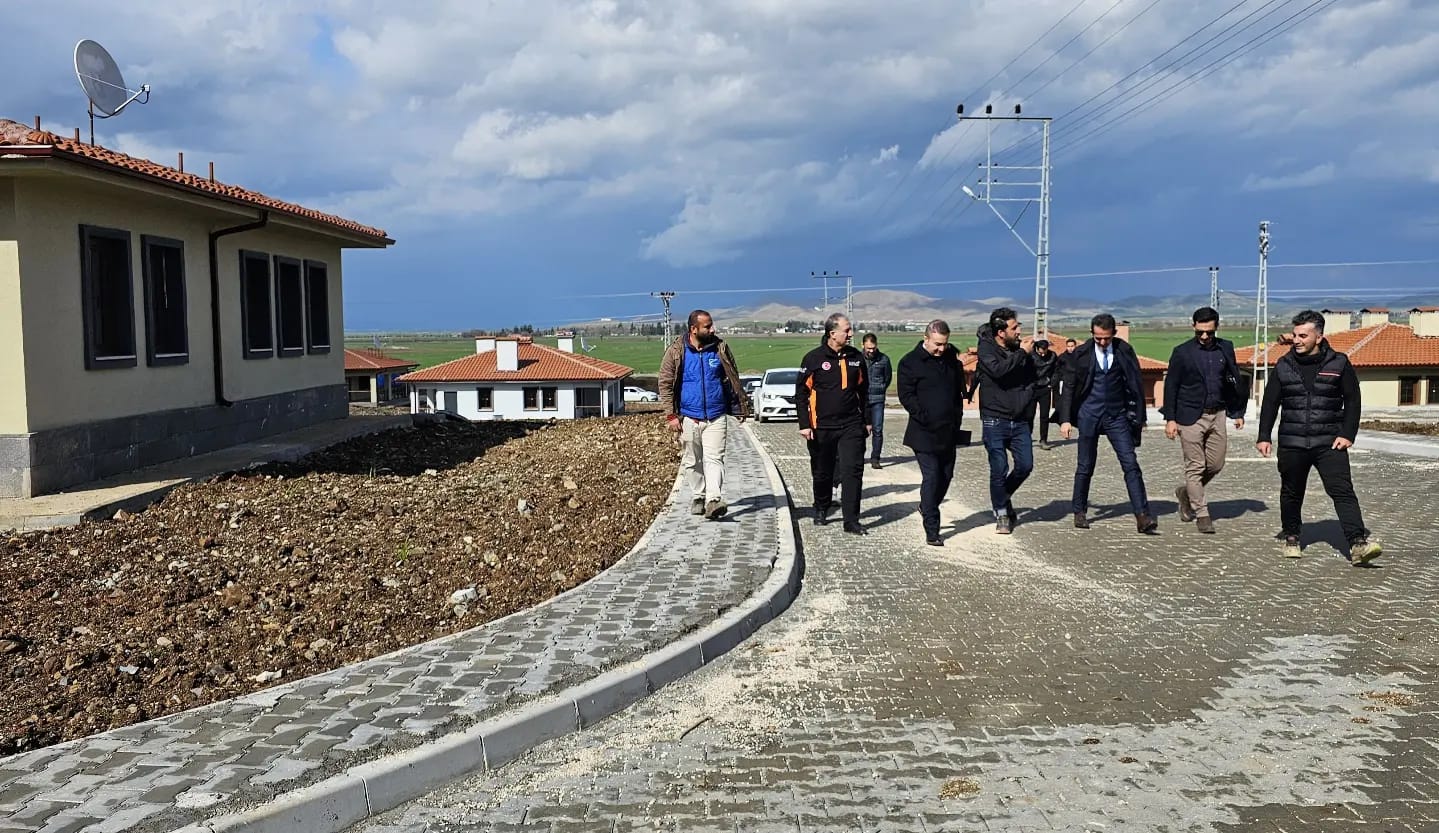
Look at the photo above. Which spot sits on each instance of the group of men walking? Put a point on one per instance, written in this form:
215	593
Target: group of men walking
1095	387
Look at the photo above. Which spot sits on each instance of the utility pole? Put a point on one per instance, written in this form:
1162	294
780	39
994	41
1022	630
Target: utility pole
1261	316
1214	287
848	290
669	322
989	182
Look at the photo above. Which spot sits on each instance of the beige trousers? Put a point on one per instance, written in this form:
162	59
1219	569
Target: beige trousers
702	456
1203	445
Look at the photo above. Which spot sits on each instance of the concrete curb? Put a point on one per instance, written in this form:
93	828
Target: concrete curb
1396	444
344	800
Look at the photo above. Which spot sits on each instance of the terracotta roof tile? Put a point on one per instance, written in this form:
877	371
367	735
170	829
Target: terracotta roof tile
1382	345
537	363
1425	309
1375	309
370	360
18	138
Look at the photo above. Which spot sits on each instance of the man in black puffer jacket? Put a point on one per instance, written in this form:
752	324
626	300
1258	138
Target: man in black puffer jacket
931	389
1314	393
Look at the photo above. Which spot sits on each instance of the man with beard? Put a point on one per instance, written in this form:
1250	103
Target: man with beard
832	395
1006	406
931	389
700	388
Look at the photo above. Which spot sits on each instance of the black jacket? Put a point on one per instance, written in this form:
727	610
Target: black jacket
881	373
1079	381
1046	370
1006	379
1320	399
1184	392
931	389
832	390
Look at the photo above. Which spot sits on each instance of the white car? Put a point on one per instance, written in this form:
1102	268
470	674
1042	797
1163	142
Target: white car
634	394
776	398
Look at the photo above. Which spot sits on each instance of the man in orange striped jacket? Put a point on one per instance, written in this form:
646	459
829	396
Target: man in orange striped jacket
831	395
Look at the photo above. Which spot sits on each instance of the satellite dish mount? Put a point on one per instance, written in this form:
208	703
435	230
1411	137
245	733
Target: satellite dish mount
100	78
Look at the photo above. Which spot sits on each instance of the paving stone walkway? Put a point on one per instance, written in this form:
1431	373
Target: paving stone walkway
1055	679
165	773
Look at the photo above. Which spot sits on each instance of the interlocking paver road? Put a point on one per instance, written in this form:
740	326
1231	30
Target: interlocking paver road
1055	679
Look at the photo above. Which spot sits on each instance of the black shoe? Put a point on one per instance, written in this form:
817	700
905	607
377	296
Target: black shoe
855	529
934	541
821	516
1081	521
1009	513
874	464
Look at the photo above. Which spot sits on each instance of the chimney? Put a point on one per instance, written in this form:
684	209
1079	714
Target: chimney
484	344
1425	321
1337	320
507	354
567	343
1121	331
1373	316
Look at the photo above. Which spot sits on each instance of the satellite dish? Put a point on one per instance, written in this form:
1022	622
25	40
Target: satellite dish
101	80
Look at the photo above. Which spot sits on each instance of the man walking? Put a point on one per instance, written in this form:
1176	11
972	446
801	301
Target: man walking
1046	365
700	388
832	394
1101	392
1006	409
880	372
931	389
1061	368
1314	395
1201	388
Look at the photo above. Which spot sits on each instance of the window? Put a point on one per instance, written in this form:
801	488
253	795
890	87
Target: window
167	332
317	306
423	395
289	307
259	338
1434	390
486	397
1408	390
452	401
532	399
107	298
549	397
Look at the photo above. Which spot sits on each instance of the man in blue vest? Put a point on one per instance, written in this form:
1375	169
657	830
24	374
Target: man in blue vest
1102	393
1314	394
700	388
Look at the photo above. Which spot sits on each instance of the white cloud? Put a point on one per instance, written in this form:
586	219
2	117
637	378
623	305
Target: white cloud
1317	175
888	154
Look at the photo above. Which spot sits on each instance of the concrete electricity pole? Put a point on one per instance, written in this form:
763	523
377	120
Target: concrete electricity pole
669	322
1261	316
1040	250
1214	287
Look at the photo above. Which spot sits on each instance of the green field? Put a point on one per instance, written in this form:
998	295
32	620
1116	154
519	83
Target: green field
754	353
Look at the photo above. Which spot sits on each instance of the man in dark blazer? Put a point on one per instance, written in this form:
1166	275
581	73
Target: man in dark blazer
1102	394
931	389
1200	390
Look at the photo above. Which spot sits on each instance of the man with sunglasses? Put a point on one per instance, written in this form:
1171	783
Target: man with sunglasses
1201	389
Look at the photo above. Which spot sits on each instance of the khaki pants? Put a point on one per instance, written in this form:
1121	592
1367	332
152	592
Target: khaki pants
702	446
1203	445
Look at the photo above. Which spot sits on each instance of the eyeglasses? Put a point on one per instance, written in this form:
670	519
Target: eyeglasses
1204	333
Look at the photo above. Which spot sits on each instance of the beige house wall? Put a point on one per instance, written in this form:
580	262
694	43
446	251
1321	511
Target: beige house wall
12	348
59	390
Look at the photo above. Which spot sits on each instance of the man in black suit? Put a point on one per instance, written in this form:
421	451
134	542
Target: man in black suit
931	389
1102	393
1202	387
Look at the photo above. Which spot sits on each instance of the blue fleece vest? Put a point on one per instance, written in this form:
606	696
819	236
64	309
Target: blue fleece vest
702	385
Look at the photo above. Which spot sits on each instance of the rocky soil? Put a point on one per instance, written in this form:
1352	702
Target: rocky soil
262	576
1426	428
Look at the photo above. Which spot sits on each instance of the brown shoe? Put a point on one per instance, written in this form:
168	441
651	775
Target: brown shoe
1186	511
1205	525
1080	521
1145	524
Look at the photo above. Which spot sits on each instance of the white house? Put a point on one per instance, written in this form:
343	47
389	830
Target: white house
147	313
514	378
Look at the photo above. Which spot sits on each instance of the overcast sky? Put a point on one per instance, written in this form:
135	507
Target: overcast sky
528	154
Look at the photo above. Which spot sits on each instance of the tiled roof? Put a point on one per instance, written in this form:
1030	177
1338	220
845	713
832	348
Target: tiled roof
1375	309
19	139
1425	309
370	360
1383	345
537	363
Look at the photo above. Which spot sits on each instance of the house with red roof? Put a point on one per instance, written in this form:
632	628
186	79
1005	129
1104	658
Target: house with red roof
373	378
1397	364
149	313
515	378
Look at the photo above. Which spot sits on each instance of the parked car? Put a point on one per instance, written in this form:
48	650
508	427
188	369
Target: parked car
750	384
775	398
634	394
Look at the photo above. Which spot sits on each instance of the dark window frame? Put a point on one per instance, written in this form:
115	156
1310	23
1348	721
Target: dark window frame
531	398
549	399
483	394
247	315
283	349
153	357
1433	393
316	342
1413	383
89	297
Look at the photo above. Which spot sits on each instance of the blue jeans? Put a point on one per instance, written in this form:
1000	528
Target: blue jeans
1002	438
1121	438
876	439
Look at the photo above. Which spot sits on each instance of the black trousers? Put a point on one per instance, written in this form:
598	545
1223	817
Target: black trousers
936	470
838	454
1333	466
1044	406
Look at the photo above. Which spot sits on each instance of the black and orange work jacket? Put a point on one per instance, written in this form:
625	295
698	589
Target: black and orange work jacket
832	388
